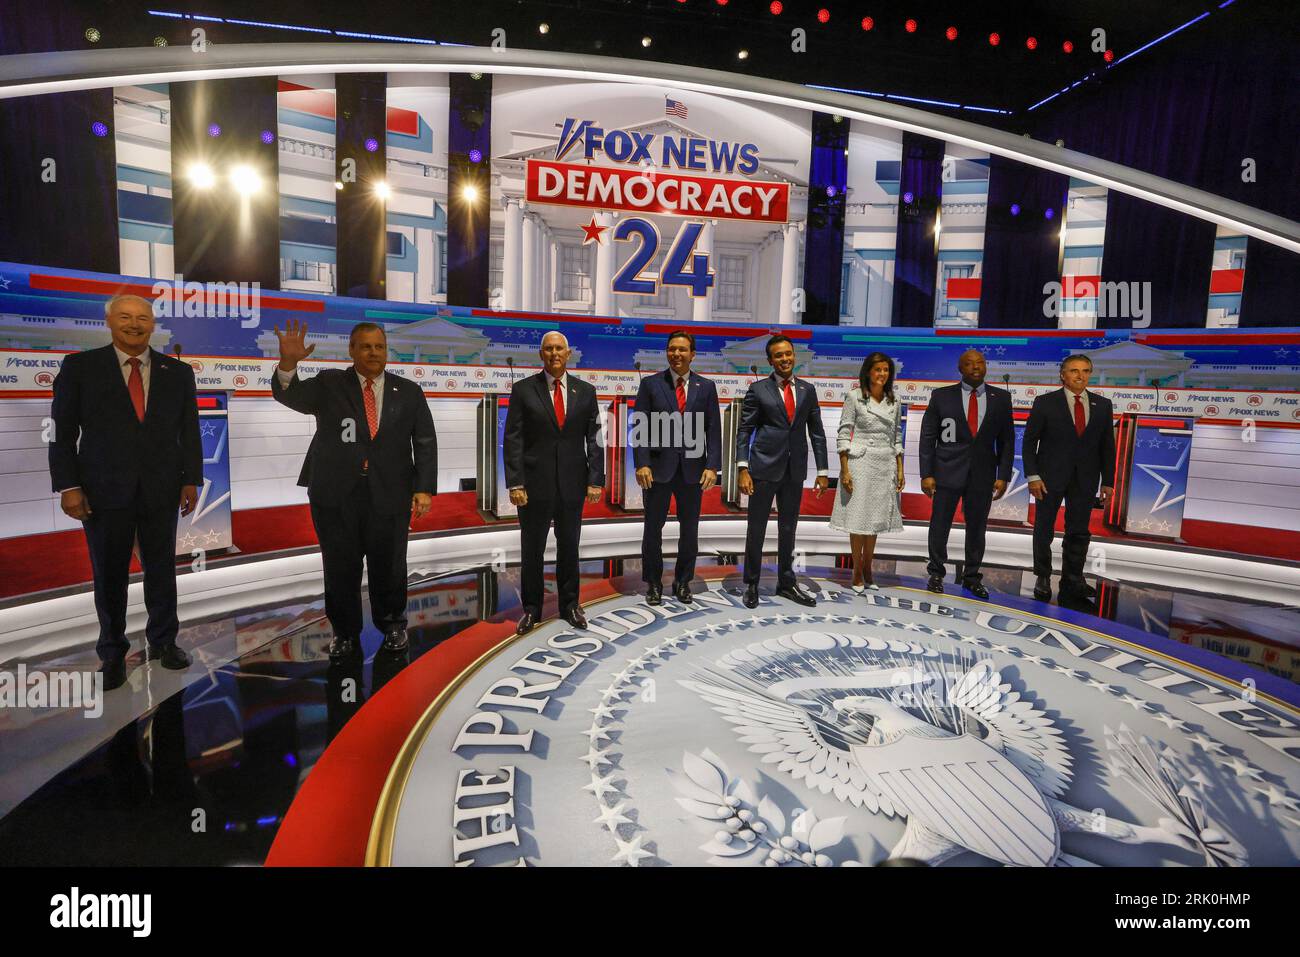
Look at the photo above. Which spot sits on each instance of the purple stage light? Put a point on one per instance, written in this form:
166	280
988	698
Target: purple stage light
98	128
214	129
1015	209
907	199
268	137
1049	213
372	145
476	156
830	191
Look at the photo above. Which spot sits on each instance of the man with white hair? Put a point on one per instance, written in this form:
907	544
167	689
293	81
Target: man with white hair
553	461
125	455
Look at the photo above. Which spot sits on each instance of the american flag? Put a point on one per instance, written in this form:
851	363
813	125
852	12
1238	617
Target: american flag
675	108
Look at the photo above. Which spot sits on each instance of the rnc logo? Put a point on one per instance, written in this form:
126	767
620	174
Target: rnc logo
1133	407
44	379
1171	396
1211	410
241	381
196	365
451	383
1255	400
480	374
419	373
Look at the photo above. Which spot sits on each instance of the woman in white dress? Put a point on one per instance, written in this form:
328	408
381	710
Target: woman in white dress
870	443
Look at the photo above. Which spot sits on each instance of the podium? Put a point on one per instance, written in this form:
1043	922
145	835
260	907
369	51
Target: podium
208	528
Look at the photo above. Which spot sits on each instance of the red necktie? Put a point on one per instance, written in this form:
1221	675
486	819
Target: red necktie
789	401
973	413
372	415
1079	422
681	394
559	405
135	386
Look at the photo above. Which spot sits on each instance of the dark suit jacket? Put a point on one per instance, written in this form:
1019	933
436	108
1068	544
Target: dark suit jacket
658	393
402	458
769	441
117	454
553	464
1053	450
981	458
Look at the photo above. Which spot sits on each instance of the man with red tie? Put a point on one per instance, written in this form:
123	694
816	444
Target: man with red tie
371	466
554	460
1069	447
125	454
968	443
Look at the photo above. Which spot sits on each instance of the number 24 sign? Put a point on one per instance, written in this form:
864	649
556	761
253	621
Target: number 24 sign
682	266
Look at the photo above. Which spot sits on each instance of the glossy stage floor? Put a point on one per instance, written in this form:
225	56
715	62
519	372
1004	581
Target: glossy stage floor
1156	727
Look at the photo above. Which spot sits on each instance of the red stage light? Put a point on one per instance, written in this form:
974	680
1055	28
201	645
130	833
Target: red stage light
868	23
722	3
1108	56
1032	43
1067	46
776	7
951	33
823	15
994	39
910	26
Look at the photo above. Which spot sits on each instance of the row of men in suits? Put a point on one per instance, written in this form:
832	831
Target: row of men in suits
126	458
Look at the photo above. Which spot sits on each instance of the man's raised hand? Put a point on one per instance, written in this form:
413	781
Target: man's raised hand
293	344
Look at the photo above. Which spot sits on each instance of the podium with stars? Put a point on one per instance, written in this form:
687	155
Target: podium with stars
208	528
1151	475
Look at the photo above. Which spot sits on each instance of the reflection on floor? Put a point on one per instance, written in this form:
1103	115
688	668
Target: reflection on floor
200	768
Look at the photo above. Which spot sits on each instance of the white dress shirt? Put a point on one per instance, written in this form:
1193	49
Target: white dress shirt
780	391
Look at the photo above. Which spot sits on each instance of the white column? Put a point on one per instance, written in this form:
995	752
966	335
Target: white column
604	278
528	263
702	308
789	273
511	293
552	268
426	270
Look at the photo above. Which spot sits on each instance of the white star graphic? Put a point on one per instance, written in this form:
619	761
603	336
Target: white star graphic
600	786
1151	470
630	851
612	817
596	758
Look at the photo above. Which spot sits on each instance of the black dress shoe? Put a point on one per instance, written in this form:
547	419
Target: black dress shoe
342	646
1078	588
682	592
935	584
797	595
114	672
654	595
977	589
575	617
395	640
1043	588
171	657
751	596
527	623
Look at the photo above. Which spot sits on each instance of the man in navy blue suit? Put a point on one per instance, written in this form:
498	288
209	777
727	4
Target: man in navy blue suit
677	449
126	454
968	442
780	415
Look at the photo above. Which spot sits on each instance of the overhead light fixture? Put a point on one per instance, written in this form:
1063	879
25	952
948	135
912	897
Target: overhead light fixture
382	190
543	28
646	41
868	23
201	176
469	193
910	26
245	180
742	55
338	184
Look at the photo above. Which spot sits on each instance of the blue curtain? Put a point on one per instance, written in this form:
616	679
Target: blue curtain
916	251
1022	246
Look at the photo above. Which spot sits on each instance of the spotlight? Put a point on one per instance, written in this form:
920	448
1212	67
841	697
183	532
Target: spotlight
742	55
951	33
646	41
722	3
868	23
201	176
994	39
1032	43
469	194
268	137
823	15
99	128
776	6
1108	56
476	76
338	184
543	28
160	41
92	34
1049	213
476	155
1067	46
214	129
1015	209
910	26
830	192
371	144
907	198
245	180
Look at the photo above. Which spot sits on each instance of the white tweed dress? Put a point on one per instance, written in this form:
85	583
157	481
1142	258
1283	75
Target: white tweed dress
872	433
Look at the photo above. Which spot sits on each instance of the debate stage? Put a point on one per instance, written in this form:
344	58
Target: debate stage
894	724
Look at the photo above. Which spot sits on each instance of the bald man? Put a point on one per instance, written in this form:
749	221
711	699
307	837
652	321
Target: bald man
126	455
553	461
